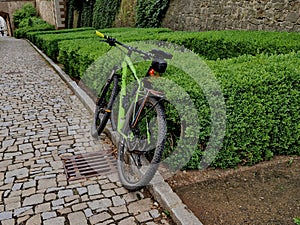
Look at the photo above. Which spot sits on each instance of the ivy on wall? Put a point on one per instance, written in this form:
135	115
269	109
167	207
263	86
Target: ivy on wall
80	13
105	12
86	19
150	13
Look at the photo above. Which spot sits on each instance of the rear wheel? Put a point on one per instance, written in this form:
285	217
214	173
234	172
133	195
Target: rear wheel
141	149
104	105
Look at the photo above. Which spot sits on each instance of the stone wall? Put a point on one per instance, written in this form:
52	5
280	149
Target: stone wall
198	15
46	11
7	9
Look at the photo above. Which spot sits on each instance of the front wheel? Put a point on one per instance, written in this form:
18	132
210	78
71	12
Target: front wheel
104	105
141	146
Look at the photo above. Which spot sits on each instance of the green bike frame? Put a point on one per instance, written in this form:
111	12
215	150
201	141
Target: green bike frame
122	114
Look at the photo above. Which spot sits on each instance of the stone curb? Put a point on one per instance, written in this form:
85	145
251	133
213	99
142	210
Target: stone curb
160	189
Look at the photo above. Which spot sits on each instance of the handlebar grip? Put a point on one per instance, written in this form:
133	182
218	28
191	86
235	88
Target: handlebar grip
100	34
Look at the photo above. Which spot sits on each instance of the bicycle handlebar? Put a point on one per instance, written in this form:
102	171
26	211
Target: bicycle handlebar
100	34
147	55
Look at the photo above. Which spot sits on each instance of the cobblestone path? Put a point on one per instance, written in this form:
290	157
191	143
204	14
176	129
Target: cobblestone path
41	120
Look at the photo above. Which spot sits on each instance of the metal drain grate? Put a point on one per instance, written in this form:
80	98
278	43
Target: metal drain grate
89	165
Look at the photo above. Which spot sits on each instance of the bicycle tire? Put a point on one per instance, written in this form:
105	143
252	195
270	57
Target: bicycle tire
101	115
123	149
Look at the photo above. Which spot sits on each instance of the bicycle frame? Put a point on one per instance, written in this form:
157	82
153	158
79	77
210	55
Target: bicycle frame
140	92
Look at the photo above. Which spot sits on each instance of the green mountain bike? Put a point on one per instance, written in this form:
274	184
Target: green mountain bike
141	120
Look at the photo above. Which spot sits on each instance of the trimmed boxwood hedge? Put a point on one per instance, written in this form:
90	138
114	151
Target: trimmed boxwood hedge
33	35
233	43
261	85
48	42
22	32
263	108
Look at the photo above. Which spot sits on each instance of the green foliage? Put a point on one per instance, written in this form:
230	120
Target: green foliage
31	22
22	32
262	98
86	19
149	13
77	55
297	221
27	11
233	43
32	36
85	13
105	12
126	14
49	42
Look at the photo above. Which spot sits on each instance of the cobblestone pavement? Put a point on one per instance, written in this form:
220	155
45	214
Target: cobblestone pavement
41	120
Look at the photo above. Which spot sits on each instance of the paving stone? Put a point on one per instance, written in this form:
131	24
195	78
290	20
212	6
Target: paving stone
64	211
17	186
28	192
46	183
113	177
50	197
65	193
140	206
118	201
33	199
118	209
154	213
108	193
108	186
45	207
110	222
19	173
29	184
72	203
9	180
45	177
58	202
4	164
40	161
25	146
99	217
12	203
120	216
130	197
94	189
77	218
56	221
100	204
8	143
71	198
121	191
88	212
8	222
94	197
150	223
61	177
55	189
143	217
24	157
34	220
127	221
78	207
5	215
48	215
22	219
22	210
